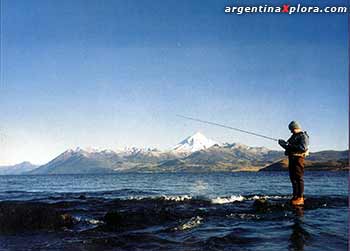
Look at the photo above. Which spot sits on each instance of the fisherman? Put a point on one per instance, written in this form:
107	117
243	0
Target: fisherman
296	148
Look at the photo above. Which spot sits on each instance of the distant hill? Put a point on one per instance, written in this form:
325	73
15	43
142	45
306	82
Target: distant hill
318	161
17	169
328	155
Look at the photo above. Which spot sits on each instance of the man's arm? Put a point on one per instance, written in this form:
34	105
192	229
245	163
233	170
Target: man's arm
300	146
282	143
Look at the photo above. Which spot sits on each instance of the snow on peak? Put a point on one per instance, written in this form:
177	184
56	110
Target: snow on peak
252	149
128	151
194	143
87	152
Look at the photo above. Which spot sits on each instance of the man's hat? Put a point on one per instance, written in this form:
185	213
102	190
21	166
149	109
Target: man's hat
294	125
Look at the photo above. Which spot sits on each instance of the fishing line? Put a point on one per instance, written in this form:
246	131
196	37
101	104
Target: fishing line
227	127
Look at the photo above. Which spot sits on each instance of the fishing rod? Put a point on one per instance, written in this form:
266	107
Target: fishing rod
227	127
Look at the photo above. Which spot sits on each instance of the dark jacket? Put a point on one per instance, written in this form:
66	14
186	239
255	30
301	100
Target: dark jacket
298	144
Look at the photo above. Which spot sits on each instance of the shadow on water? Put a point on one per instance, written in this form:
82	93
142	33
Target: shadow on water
300	236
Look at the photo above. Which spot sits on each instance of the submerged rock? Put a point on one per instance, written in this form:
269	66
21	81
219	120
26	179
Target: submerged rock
261	205
265	206
136	219
24	216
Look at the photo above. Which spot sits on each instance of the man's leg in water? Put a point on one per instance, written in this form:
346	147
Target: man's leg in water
292	175
299	176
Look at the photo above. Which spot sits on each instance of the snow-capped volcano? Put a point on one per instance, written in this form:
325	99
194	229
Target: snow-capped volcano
194	143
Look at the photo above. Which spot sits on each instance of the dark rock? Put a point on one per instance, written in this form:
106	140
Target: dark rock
265	206
24	216
261	205
139	217
82	197
113	218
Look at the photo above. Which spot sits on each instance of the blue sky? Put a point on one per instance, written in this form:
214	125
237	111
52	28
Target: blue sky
110	74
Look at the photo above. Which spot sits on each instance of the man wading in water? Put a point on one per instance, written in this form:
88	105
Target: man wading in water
296	149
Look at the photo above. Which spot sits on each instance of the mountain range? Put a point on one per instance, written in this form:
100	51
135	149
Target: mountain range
196	153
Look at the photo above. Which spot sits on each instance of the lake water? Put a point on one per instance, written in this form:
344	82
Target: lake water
182	211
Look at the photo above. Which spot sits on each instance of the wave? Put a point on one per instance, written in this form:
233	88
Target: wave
144	212
192	223
216	200
176	198
240	198
64	193
91	221
132	194
225	200
26	195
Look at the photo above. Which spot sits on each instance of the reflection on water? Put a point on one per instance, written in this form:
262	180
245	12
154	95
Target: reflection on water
300	235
